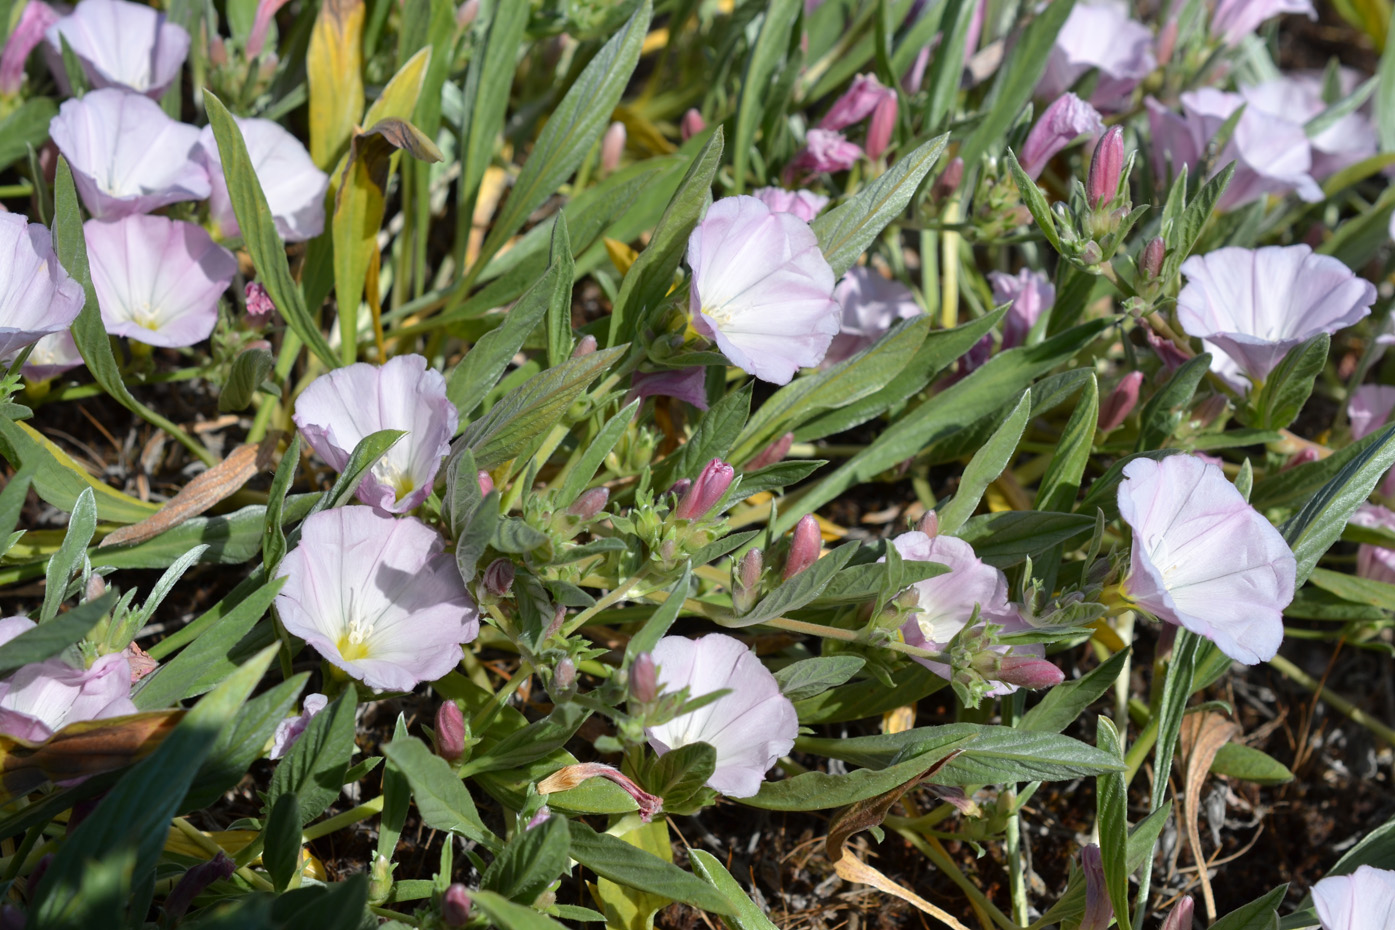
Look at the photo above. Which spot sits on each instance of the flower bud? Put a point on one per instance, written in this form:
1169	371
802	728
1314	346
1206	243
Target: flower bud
644	679
259	302
745	582
450	731
559	614
1151	261
1028	672
858	102
1106	167
584	346
466	15
486	483
691	124
1098	911
1209	410
543	815
881	126
949	180
572	775
929	524
379	880
218	52
1167	41
1120	402
1180	917
96	587
1091	254
190	885
804	546
455	906
772	453
612	147
498	578
590	503
564	675
706	491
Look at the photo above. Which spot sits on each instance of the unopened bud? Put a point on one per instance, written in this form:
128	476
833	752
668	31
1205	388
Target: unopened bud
455	906
612	147
1167	41
706	492
466	15
745	582
772	453
543	815
644	679
1180	917
450	731
559	614
691	124
1098	911
1151	261
1209	410
498	578
590	503
1106	167
1120	402
585	346
929	524
1092	254
379	880
1302	457
96	587
949	180
217	52
190	885
881	126
564	675
804	546
1028	672
486	483
259	302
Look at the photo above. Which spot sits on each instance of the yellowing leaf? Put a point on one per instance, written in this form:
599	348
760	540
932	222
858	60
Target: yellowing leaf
621	255
334	70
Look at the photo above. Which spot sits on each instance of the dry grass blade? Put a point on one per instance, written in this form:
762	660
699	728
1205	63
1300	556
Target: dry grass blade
1202	737
205	490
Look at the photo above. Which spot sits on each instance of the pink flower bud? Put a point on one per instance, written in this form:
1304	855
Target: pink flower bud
804	546
217	52
450	731
1180	917
915	75
1028	672
261	23
572	775
466	15
543	815
1120	402
559	615
929	524
1209	410
486	483
772	453
1098	911
498	578
1167	41
585	346
882	125
259	302
590	503
1106	168
949	180
455	906
1151	261
564	675
706	491
190	885
1301	457
745	582
612	147
691	124
96	587
644	679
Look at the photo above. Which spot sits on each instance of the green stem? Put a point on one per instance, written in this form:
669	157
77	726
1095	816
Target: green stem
290	351
936	854
339	821
614	597
1332	698
79	391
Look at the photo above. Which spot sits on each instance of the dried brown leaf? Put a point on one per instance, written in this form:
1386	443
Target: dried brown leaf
1202	737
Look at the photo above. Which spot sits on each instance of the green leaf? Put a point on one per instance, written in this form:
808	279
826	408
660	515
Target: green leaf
1277	402
813	791
797	591
984	468
259	233
530	862
442	800
534	407
25	126
1357	590
808	677
314	769
1063	704
1061	484
746	916
572	129
68	560
769	48
483	365
1236	760
366	454
946	69
273	536
505	914
1260	914
1071	905
245	378
1035	201
537	740
52	637
241	743
870	697
865	582
1319	522
486	92
281	847
651	276
680	777
846	231
1160	415
712	438
660	620
627	865
1385	93
581	469
1181	237
1113	812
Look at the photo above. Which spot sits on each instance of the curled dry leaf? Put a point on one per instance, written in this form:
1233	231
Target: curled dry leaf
1203	735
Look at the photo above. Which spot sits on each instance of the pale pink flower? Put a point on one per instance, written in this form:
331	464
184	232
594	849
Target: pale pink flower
825	151
52	355
1363	900
39	699
27	35
1271	156
127	156
1297	98
1375	562
1099	36
158	280
1369	409
946	603
871	305
124	45
761	289
294	187
1232	20
685	384
289	731
37	296
803	204
750	727
377	596
857	103
339	409
1253	306
1028	294
261	24
1065	120
1203	558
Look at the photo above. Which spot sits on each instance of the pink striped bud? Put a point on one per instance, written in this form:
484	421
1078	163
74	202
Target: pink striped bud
644	679
1180	917
584	346
564	675
745	581
612	147
1098	911
498	578
881	126
1120	402
450	731
1028	672
949	180
1167	41
804	546
691	124
590	503
772	453
929	524
1106	168
543	815
1151	261
706	491
467	14
456	905
486	483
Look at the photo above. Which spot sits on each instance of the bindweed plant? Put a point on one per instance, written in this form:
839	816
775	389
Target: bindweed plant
559	430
